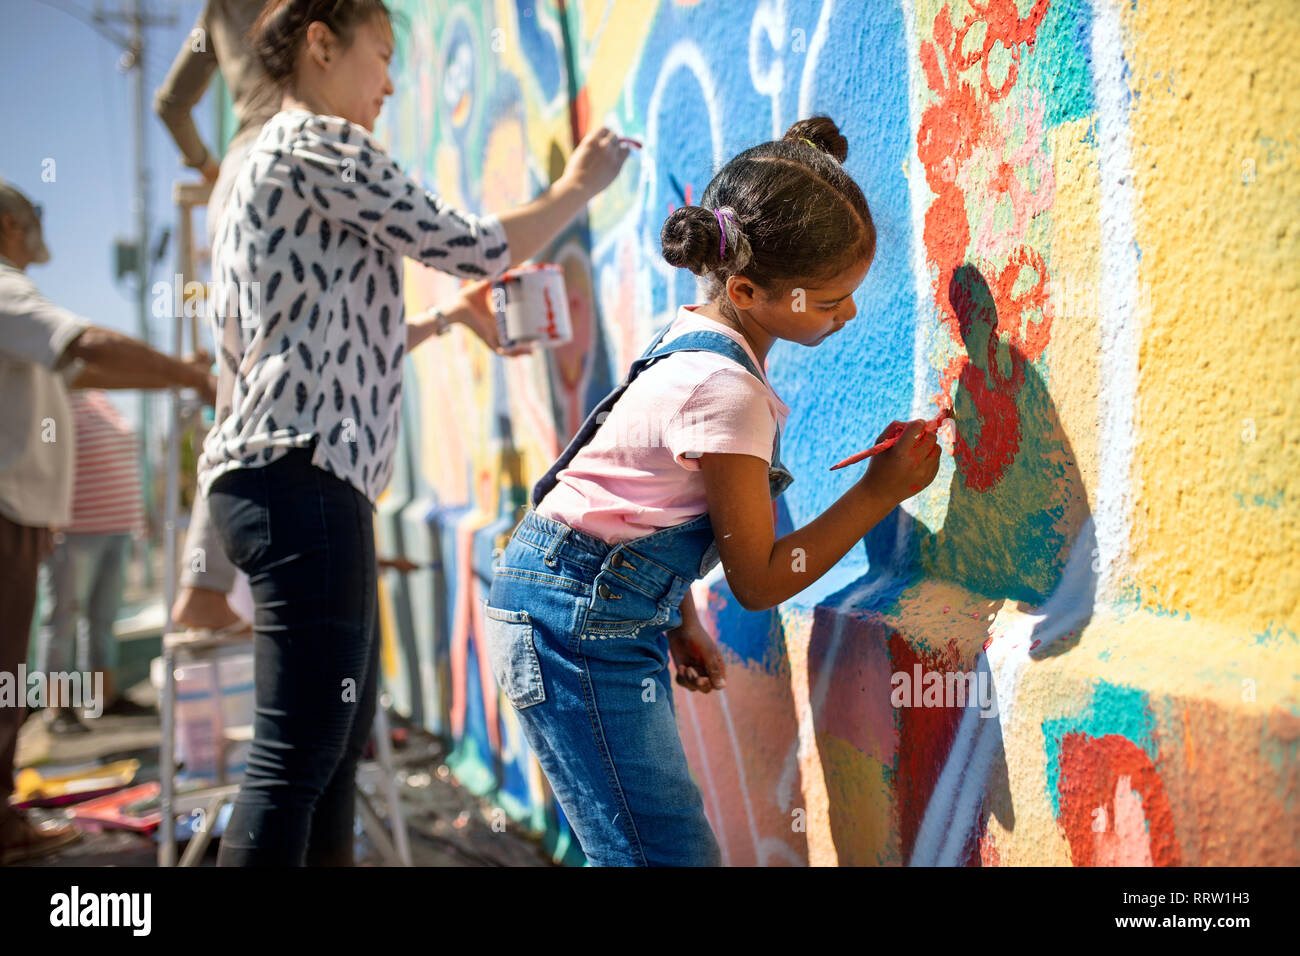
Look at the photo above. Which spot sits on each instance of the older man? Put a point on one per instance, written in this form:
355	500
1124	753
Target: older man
44	351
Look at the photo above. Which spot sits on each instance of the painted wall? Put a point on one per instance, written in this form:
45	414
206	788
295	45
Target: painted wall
1087	243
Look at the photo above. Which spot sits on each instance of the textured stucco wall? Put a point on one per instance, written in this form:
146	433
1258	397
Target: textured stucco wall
1087	243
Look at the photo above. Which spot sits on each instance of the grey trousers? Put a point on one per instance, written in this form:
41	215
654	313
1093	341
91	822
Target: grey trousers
204	563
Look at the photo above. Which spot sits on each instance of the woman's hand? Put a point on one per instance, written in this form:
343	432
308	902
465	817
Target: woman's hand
206	386
472	307
699	665
596	160
474	310
594	164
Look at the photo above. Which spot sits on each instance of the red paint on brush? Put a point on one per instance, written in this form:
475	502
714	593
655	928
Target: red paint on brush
893	433
629	141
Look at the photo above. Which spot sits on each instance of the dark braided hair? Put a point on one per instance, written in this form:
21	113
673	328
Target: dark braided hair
282	25
798	216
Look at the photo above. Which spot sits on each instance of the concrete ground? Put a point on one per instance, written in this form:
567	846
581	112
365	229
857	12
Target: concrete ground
448	825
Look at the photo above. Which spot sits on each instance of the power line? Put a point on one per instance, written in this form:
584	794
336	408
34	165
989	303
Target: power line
99	23
92	21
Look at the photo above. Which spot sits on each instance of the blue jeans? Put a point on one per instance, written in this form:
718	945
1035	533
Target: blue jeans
84	576
305	538
575	634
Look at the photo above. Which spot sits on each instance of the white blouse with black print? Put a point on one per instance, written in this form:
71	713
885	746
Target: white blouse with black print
309	320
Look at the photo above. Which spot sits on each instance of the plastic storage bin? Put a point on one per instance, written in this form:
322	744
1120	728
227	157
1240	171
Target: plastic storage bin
198	722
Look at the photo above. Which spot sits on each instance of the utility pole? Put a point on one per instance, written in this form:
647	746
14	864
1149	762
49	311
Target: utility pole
132	59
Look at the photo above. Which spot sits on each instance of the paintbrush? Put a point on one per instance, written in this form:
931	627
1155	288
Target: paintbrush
892	434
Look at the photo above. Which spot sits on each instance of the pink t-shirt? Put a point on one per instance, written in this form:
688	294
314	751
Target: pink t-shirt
639	472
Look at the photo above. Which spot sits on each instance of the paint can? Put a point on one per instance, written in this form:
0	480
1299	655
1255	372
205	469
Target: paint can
532	307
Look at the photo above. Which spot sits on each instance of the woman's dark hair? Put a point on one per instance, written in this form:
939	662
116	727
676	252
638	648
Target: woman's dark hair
790	211
281	26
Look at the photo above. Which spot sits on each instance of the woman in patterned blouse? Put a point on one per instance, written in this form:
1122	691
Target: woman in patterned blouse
311	333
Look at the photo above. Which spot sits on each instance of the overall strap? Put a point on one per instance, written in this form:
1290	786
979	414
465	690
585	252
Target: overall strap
723	345
697	342
690	342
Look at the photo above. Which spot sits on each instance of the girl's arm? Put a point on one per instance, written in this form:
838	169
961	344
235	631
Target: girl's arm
761	571
690	616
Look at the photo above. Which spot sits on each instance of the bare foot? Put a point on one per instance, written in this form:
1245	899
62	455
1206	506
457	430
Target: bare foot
203	607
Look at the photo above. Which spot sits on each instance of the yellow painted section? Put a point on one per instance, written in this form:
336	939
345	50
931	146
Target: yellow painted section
1216	155
1220	703
612	37
388	664
796	623
1073	357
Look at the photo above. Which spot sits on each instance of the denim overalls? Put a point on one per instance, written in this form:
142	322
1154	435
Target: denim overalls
575	632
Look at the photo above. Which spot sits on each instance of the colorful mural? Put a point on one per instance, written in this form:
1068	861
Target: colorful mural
1086	233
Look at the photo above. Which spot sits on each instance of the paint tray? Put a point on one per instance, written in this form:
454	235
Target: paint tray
137	808
33	789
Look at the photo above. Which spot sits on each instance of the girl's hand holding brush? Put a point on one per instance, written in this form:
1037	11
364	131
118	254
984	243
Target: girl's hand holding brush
909	460
891	435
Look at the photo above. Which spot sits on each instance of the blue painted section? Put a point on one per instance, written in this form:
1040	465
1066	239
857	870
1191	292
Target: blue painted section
544	56
844	392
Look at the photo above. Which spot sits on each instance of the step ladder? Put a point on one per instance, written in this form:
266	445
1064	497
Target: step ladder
187	648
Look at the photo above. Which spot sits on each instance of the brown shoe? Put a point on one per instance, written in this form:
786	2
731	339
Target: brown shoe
21	840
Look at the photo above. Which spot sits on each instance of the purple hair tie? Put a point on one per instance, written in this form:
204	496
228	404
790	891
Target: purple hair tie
722	230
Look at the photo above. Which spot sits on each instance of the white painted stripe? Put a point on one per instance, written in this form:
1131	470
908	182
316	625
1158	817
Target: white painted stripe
923	279
707	772
807	86
1119	319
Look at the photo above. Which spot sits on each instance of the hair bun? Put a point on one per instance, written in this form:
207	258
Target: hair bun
693	237
689	240
821	132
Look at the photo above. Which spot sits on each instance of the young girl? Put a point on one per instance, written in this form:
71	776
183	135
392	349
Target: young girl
671	472
315	231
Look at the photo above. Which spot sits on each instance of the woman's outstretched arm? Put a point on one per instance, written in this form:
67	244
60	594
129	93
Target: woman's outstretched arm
594	164
351	181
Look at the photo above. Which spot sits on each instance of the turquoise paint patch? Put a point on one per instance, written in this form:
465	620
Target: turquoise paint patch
1131	599
1276	635
1273	501
1059	63
1280	753
1123	711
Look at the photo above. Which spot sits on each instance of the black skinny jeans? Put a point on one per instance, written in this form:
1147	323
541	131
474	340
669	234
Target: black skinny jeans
305	538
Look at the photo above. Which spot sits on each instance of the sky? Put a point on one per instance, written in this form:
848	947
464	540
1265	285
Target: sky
67	101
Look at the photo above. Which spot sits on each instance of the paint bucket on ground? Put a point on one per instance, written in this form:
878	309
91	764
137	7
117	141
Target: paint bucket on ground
532	307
